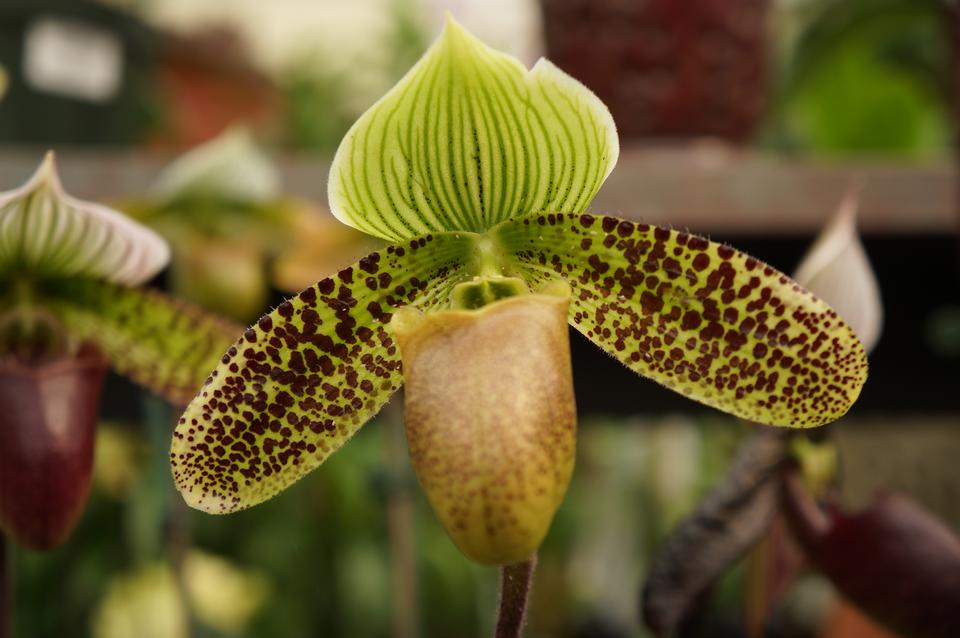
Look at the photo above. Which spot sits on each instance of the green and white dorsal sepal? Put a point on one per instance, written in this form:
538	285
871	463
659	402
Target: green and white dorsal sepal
45	233
697	316
470	138
299	383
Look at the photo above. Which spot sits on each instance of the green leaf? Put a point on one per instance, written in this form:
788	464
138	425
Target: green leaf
470	138
696	316
161	343
298	384
46	233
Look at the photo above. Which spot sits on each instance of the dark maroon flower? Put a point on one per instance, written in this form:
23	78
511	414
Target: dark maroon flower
48	415
894	560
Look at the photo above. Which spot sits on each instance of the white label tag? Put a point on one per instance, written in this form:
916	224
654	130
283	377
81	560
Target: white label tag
73	59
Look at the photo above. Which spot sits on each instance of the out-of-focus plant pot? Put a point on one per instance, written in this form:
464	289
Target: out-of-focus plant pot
666	68
48	415
893	560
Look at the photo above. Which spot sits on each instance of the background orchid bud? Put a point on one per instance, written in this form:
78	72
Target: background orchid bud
836	269
46	446
491	419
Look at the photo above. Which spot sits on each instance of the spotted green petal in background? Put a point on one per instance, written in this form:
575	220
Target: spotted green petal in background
467	139
298	384
696	316
46	233
161	343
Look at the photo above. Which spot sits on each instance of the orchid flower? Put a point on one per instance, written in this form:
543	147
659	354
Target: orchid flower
219	205
69	272
480	173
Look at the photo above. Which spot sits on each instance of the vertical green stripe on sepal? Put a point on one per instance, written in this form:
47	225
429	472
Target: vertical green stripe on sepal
164	344
46	233
299	383
469	138
696	316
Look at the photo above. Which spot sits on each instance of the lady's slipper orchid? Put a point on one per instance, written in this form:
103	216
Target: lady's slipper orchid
67	271
219	206
480	172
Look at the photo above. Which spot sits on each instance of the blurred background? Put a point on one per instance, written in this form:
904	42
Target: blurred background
746	120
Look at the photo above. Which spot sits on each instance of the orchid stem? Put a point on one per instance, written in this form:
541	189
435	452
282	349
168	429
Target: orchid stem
403	564
516	581
6	588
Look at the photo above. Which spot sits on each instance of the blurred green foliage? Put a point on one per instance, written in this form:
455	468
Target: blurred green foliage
865	76
322	551
320	104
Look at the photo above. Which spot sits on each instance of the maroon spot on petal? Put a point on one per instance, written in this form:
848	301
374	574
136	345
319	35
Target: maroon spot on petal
326	286
368	265
735	339
672	267
691	320
701	261
650	302
713	330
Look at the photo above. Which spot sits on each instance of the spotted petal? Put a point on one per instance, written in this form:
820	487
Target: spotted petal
46	233
299	383
161	343
696	316
467	139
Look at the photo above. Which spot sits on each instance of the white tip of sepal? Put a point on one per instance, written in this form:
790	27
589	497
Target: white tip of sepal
230	166
836	269
46	232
